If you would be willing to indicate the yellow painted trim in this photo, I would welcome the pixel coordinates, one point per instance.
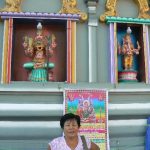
(145, 53)
(5, 52)
(115, 49)
(73, 53)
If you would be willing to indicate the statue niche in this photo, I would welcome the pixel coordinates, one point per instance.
(127, 50)
(39, 49)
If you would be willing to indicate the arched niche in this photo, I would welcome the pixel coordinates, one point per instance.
(19, 25)
(140, 71)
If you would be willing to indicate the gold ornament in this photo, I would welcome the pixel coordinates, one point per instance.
(111, 9)
(70, 7)
(12, 6)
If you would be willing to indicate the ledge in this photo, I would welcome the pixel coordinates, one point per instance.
(59, 87)
(39, 15)
(29, 129)
(30, 110)
(127, 20)
(129, 109)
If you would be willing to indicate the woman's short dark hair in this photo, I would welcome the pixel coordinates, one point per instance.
(69, 116)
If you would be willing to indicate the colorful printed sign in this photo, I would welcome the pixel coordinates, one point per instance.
(91, 106)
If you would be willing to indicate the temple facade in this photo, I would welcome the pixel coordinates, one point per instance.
(50, 46)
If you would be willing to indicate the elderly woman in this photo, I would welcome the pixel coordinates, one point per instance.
(71, 140)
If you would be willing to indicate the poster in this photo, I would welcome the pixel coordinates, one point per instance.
(91, 106)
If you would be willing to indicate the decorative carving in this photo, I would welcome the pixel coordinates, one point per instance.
(12, 6)
(144, 8)
(69, 7)
(111, 9)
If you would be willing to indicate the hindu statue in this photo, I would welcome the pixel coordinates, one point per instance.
(128, 51)
(40, 49)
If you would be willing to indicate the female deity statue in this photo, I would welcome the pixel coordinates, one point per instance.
(39, 49)
(128, 50)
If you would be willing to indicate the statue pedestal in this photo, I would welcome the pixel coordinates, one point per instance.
(127, 76)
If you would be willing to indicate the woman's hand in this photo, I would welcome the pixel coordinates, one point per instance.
(49, 148)
(94, 146)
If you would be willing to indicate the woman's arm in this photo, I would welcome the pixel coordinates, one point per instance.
(94, 146)
(49, 148)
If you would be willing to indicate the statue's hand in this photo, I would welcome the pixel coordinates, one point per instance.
(137, 52)
(38, 65)
(25, 45)
(29, 51)
(53, 45)
(138, 45)
(51, 52)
